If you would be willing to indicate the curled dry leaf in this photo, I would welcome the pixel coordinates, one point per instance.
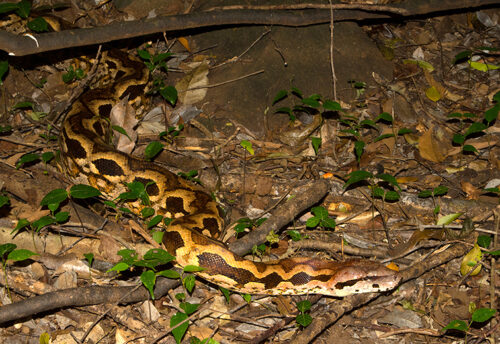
(123, 115)
(191, 88)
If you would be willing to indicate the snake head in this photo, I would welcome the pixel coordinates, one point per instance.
(362, 276)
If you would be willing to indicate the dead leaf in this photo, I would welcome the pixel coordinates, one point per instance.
(191, 88)
(123, 115)
(471, 191)
(184, 42)
(434, 144)
(440, 88)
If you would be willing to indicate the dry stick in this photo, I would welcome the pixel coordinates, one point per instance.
(17, 45)
(363, 7)
(81, 296)
(234, 59)
(351, 302)
(493, 271)
(332, 67)
(224, 82)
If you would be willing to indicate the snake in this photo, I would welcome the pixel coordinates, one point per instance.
(89, 157)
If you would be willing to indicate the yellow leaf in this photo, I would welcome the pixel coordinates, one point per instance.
(184, 43)
(392, 266)
(483, 67)
(433, 94)
(470, 259)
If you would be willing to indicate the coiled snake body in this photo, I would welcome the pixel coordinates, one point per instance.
(89, 158)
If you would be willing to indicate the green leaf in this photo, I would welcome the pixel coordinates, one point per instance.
(144, 54)
(312, 222)
(169, 274)
(7, 128)
(180, 296)
(27, 158)
(226, 293)
(440, 190)
(148, 278)
(189, 283)
(420, 63)
(303, 320)
(8, 7)
(286, 110)
(484, 241)
(128, 256)
(180, 330)
(320, 212)
(47, 156)
(169, 93)
(425, 193)
(404, 131)
(458, 325)
(304, 306)
(119, 267)
(4, 67)
(455, 115)
(158, 255)
(469, 148)
(38, 25)
(459, 139)
(21, 254)
(357, 176)
(189, 308)
(154, 221)
(7, 248)
(491, 114)
(476, 127)
(23, 9)
(54, 196)
(331, 105)
(4, 200)
(42, 222)
(385, 116)
(389, 179)
(316, 143)
(20, 225)
(82, 191)
(193, 268)
(247, 298)
(446, 220)
(312, 102)
(368, 123)
(382, 137)
(391, 196)
(89, 257)
(378, 192)
(282, 94)
(462, 57)
(120, 130)
(495, 253)
(297, 92)
(483, 314)
(147, 212)
(496, 97)
(294, 234)
(248, 146)
(152, 149)
(62, 216)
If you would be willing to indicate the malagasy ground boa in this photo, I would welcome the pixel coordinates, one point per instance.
(88, 157)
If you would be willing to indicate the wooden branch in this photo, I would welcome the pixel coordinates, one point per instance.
(31, 44)
(81, 296)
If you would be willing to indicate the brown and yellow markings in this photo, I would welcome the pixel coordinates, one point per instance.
(89, 157)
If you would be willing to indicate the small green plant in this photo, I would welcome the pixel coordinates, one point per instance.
(191, 176)
(382, 185)
(313, 104)
(4, 200)
(8, 251)
(4, 68)
(73, 74)
(473, 57)
(246, 223)
(295, 235)
(437, 191)
(23, 9)
(358, 86)
(320, 218)
(303, 319)
(476, 128)
(156, 62)
(248, 146)
(478, 316)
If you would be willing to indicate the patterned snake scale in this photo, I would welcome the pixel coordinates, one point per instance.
(89, 158)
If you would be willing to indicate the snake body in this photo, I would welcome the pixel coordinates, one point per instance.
(90, 158)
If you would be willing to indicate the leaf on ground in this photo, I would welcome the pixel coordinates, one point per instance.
(434, 144)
